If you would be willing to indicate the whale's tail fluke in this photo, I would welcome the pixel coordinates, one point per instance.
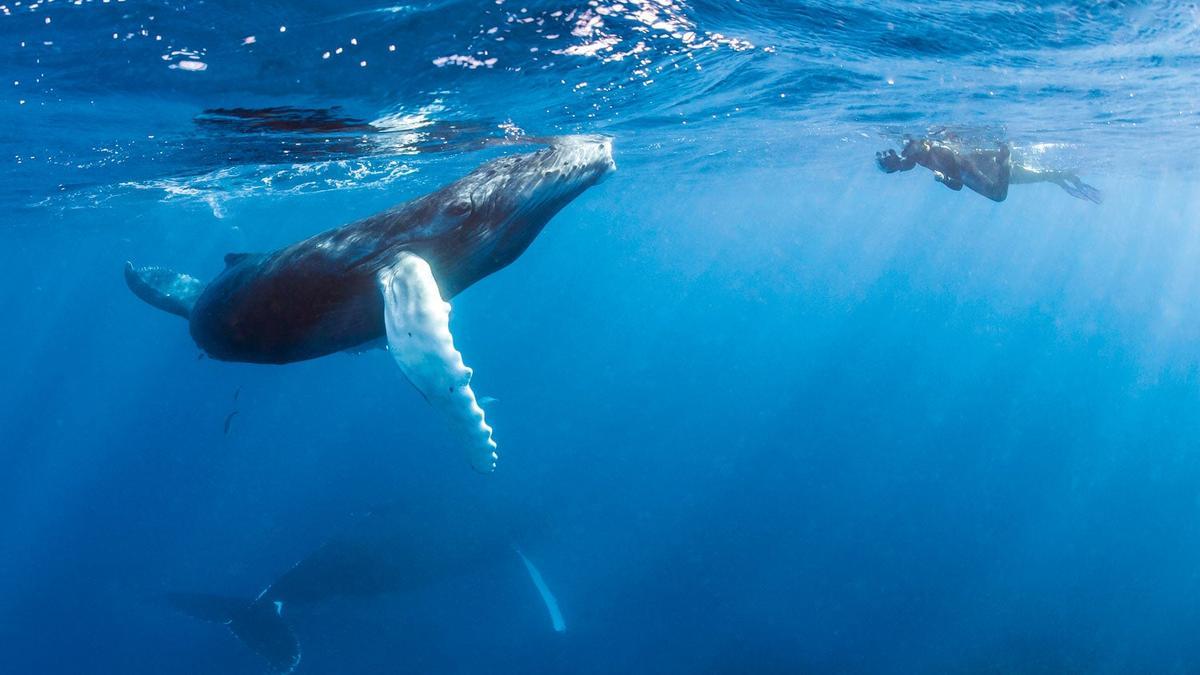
(165, 289)
(258, 625)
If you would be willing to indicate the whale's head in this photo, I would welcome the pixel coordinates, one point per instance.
(526, 183)
(513, 197)
(490, 216)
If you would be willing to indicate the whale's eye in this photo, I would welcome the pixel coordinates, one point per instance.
(458, 208)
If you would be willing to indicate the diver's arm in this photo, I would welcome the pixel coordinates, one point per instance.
(889, 162)
(953, 182)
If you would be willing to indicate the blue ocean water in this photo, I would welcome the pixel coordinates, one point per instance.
(761, 408)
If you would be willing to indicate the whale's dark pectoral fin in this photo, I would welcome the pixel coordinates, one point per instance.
(167, 290)
(418, 333)
(259, 625)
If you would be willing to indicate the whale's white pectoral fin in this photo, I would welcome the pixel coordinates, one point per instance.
(418, 334)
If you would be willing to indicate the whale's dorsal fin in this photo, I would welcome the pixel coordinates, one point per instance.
(232, 259)
(417, 321)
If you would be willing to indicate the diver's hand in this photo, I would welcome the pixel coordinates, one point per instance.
(952, 183)
(888, 161)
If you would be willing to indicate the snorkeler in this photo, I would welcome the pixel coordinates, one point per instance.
(988, 172)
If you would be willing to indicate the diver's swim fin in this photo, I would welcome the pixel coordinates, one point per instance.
(259, 625)
(167, 290)
(1081, 190)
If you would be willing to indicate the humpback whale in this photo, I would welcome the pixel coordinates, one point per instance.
(389, 275)
(388, 550)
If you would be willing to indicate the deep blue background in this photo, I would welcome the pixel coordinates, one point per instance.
(761, 408)
(944, 435)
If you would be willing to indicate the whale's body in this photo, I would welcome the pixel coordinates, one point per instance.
(321, 295)
(392, 550)
(388, 275)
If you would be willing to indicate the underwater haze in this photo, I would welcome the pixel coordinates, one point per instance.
(759, 406)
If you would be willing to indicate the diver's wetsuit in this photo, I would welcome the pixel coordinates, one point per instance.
(988, 172)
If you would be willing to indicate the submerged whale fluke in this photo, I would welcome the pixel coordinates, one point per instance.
(163, 288)
(399, 547)
(259, 625)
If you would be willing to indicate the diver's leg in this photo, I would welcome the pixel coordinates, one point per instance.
(1004, 175)
(1067, 180)
(1023, 175)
